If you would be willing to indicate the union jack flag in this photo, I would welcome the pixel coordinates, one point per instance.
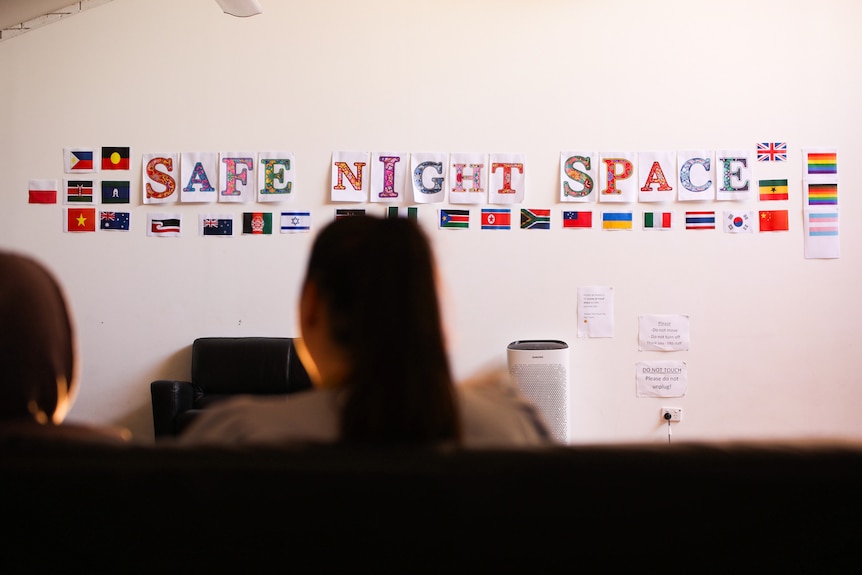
(210, 223)
(772, 152)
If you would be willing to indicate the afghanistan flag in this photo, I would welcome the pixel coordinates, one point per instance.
(257, 223)
(115, 158)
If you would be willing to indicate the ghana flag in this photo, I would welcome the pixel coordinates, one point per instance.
(773, 189)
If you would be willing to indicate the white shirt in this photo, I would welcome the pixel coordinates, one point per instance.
(493, 412)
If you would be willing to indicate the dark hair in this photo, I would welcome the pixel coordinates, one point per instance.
(377, 278)
(36, 346)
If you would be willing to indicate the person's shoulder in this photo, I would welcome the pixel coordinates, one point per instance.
(17, 431)
(494, 412)
(305, 415)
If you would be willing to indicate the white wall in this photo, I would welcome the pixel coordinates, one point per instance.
(772, 351)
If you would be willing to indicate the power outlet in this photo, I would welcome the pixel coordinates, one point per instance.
(674, 412)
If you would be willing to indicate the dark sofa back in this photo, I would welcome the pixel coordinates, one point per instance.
(683, 508)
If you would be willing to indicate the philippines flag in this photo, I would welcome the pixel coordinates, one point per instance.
(771, 151)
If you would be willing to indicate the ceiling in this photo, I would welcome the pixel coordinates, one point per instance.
(14, 12)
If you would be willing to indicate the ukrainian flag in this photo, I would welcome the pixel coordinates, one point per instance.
(617, 220)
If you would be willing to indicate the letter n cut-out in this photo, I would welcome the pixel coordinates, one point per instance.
(350, 176)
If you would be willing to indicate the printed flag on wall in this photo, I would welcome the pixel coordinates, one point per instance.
(81, 219)
(79, 191)
(822, 223)
(617, 220)
(295, 222)
(822, 239)
(42, 191)
(346, 213)
(821, 162)
(114, 221)
(533, 219)
(496, 218)
(771, 151)
(700, 220)
(257, 223)
(457, 219)
(773, 220)
(657, 220)
(115, 158)
(411, 213)
(164, 225)
(215, 224)
(773, 189)
(821, 194)
(78, 160)
(115, 191)
(739, 222)
(576, 219)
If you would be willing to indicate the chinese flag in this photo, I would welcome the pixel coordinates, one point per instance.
(81, 220)
(773, 220)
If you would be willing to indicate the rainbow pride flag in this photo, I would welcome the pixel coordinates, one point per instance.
(822, 163)
(822, 194)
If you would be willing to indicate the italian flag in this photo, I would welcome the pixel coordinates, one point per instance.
(657, 220)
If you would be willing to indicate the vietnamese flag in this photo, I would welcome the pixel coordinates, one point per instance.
(115, 158)
(81, 220)
(773, 221)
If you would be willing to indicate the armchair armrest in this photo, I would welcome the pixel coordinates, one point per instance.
(170, 398)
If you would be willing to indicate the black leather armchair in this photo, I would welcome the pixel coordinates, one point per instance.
(223, 367)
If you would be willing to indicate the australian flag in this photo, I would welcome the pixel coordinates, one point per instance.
(114, 221)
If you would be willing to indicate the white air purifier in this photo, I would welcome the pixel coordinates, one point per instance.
(540, 369)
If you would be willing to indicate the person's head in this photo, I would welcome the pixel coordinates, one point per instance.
(371, 320)
(37, 353)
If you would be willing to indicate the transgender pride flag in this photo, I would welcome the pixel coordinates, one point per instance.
(822, 224)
